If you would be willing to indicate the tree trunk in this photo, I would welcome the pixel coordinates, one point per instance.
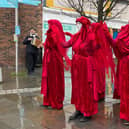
(100, 10)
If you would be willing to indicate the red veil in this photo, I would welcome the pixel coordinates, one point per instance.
(85, 27)
(55, 36)
(58, 36)
(123, 39)
(104, 55)
(77, 39)
(124, 32)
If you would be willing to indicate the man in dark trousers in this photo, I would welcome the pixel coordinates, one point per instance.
(31, 51)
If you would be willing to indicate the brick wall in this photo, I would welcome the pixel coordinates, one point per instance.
(29, 16)
(7, 22)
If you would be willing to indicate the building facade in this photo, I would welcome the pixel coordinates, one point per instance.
(29, 17)
(55, 9)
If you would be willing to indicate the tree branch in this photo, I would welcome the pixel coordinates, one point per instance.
(95, 5)
(106, 3)
(118, 13)
(110, 8)
(100, 5)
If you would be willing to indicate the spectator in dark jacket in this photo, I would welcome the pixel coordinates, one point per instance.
(31, 51)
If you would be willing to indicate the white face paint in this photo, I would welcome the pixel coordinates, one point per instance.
(79, 25)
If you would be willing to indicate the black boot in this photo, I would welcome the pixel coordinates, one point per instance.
(44, 106)
(75, 115)
(126, 122)
(85, 119)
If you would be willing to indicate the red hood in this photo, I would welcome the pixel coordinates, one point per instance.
(83, 20)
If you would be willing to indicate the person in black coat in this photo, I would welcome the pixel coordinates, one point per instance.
(31, 51)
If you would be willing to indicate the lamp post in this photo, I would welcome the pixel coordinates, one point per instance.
(16, 24)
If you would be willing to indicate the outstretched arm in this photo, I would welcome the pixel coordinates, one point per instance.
(67, 44)
(108, 36)
(69, 34)
(110, 40)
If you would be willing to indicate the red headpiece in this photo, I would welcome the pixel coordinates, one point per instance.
(55, 24)
(58, 36)
(83, 20)
(85, 27)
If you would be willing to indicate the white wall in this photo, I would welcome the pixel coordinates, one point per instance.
(59, 15)
(70, 17)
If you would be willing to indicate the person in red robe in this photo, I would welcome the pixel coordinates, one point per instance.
(101, 79)
(52, 85)
(103, 58)
(82, 72)
(121, 49)
(87, 60)
(102, 63)
(100, 70)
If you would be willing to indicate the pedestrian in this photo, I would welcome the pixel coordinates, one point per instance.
(84, 45)
(82, 71)
(121, 49)
(52, 85)
(103, 60)
(31, 51)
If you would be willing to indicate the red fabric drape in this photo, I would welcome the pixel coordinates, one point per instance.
(103, 58)
(52, 85)
(121, 49)
(83, 69)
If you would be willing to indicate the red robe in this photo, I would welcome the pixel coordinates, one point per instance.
(100, 79)
(84, 93)
(83, 81)
(52, 86)
(92, 56)
(121, 49)
(103, 59)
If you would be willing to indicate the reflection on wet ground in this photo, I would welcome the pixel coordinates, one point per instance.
(20, 102)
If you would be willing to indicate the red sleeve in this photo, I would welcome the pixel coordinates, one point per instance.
(123, 46)
(69, 34)
(67, 44)
(71, 41)
(110, 40)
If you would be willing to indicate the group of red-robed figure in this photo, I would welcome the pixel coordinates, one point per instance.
(91, 58)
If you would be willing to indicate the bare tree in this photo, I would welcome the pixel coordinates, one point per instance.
(103, 8)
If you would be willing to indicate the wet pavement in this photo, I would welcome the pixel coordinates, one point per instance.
(20, 101)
